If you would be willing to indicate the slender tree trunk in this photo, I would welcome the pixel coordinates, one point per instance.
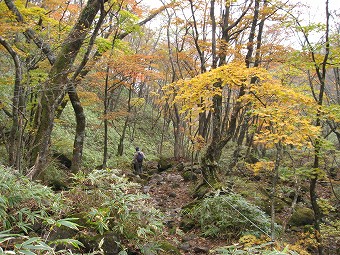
(80, 130)
(178, 134)
(175, 115)
(106, 102)
(250, 47)
(321, 74)
(294, 201)
(203, 121)
(273, 193)
(164, 128)
(240, 138)
(313, 196)
(127, 120)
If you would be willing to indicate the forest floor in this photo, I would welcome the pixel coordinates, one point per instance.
(170, 193)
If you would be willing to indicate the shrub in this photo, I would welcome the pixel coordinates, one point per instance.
(23, 202)
(230, 216)
(120, 207)
(263, 249)
(330, 234)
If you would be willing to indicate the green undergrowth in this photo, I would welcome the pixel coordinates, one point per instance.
(230, 216)
(146, 135)
(97, 205)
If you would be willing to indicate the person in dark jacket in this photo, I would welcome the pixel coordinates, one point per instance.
(138, 161)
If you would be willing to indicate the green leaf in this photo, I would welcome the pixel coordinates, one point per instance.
(68, 223)
(73, 242)
(40, 246)
(27, 252)
(30, 241)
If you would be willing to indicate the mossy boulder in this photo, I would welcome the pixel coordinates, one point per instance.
(109, 243)
(165, 164)
(161, 247)
(168, 248)
(187, 224)
(301, 217)
(180, 167)
(265, 205)
(189, 176)
(62, 233)
(150, 167)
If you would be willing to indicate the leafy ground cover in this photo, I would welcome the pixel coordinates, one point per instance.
(115, 211)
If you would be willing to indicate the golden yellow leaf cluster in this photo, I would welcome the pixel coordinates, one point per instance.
(284, 115)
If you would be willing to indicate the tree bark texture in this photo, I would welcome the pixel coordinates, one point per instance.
(320, 70)
(80, 129)
(126, 123)
(18, 107)
(213, 152)
(56, 85)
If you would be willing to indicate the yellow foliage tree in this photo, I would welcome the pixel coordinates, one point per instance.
(285, 115)
(195, 95)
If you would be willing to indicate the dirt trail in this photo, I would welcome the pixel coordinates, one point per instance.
(170, 193)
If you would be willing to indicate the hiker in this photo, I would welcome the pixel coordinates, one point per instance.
(138, 161)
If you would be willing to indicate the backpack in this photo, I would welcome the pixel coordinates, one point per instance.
(139, 157)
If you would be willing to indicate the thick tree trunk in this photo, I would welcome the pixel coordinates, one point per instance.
(203, 124)
(56, 85)
(211, 157)
(18, 107)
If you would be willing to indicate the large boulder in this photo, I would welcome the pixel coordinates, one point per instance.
(301, 217)
(189, 176)
(109, 243)
(165, 164)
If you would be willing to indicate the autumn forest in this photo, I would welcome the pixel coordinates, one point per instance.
(235, 104)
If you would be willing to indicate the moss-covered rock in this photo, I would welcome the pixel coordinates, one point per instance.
(62, 233)
(301, 217)
(206, 188)
(189, 176)
(165, 164)
(168, 248)
(109, 243)
(91, 243)
(265, 205)
(187, 224)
